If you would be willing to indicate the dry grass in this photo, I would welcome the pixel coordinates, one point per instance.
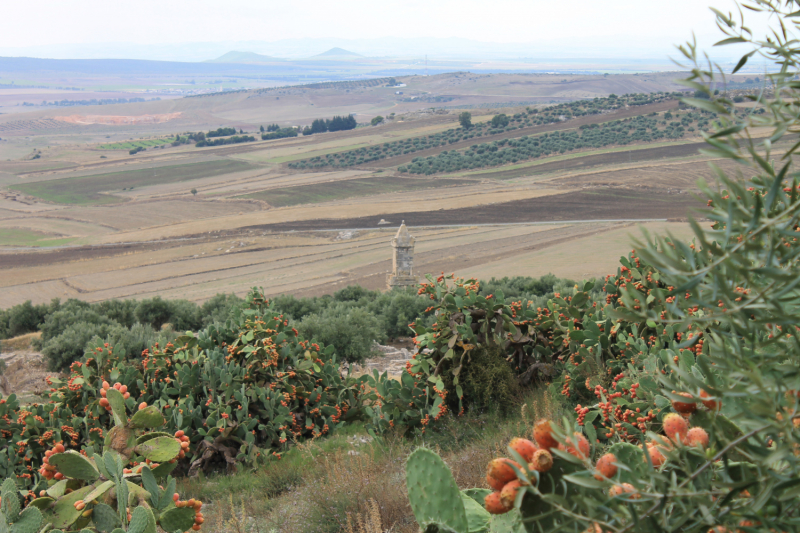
(20, 343)
(352, 484)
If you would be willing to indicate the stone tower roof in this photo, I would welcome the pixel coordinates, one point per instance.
(403, 237)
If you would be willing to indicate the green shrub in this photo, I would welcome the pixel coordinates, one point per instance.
(351, 331)
(487, 380)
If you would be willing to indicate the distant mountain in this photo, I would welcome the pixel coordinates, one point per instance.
(337, 53)
(243, 57)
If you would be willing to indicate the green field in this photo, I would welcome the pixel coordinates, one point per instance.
(26, 237)
(338, 190)
(135, 144)
(93, 190)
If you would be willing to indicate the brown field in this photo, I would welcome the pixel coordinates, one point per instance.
(254, 221)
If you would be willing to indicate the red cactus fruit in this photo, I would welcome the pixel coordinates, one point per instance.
(499, 472)
(542, 461)
(577, 445)
(710, 403)
(696, 437)
(524, 447)
(676, 427)
(509, 493)
(494, 504)
(606, 467)
(656, 456)
(684, 408)
(543, 434)
(625, 488)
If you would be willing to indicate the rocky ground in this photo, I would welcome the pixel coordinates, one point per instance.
(391, 359)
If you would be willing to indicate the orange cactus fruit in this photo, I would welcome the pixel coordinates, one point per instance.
(577, 445)
(684, 408)
(696, 437)
(123, 389)
(494, 504)
(606, 467)
(624, 488)
(499, 472)
(509, 493)
(656, 456)
(542, 461)
(523, 447)
(543, 434)
(710, 403)
(142, 405)
(676, 427)
(106, 386)
(103, 393)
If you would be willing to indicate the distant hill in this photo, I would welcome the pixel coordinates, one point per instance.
(243, 57)
(337, 53)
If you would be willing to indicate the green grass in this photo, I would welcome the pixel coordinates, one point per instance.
(337, 190)
(88, 190)
(135, 144)
(26, 237)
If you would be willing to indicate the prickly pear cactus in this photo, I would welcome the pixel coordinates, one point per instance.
(435, 498)
(109, 492)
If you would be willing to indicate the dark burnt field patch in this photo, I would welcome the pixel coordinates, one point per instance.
(589, 204)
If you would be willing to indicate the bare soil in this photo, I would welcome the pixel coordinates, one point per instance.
(591, 204)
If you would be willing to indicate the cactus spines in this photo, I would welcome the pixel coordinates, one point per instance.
(523, 447)
(432, 491)
(543, 434)
(676, 427)
(74, 465)
(606, 467)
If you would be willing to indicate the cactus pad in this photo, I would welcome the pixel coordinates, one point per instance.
(74, 465)
(631, 459)
(151, 435)
(117, 403)
(175, 519)
(105, 518)
(64, 513)
(432, 491)
(159, 449)
(10, 505)
(477, 517)
(142, 521)
(147, 418)
(479, 495)
(538, 514)
(29, 521)
(99, 491)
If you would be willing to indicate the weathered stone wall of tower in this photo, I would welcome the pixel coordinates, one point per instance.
(402, 260)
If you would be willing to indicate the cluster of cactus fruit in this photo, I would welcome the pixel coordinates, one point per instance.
(526, 488)
(240, 393)
(113, 491)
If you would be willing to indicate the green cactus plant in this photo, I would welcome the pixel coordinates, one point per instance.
(439, 506)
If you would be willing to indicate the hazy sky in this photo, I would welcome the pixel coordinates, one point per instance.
(648, 23)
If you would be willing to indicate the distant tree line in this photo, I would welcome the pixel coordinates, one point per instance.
(336, 123)
(221, 132)
(350, 319)
(96, 101)
(236, 139)
(279, 133)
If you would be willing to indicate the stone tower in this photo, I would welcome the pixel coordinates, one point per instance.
(403, 262)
